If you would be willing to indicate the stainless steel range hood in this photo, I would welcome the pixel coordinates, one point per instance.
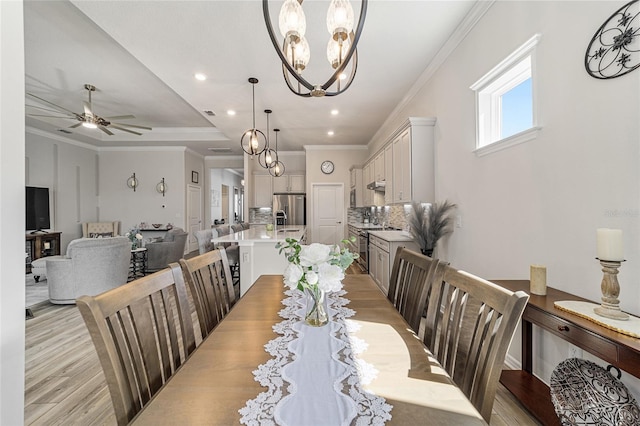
(377, 185)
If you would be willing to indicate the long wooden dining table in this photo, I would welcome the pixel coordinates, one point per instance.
(217, 380)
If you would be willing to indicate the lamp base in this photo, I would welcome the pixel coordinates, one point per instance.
(611, 312)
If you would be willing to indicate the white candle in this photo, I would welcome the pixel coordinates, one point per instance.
(538, 280)
(609, 244)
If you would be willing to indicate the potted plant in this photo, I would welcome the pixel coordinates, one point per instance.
(428, 223)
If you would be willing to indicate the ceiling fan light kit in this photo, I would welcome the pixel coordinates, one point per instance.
(294, 51)
(253, 141)
(88, 118)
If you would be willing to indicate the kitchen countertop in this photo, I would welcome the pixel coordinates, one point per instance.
(259, 234)
(392, 236)
(361, 225)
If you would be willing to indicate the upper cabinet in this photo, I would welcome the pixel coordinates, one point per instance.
(378, 167)
(289, 182)
(356, 186)
(388, 167)
(413, 176)
(262, 190)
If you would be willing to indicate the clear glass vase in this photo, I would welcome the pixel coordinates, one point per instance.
(316, 315)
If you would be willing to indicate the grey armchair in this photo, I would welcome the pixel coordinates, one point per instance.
(161, 253)
(90, 267)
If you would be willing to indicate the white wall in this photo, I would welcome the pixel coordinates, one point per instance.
(343, 158)
(69, 170)
(542, 201)
(119, 202)
(12, 293)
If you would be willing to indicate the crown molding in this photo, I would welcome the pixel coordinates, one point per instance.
(145, 148)
(334, 147)
(468, 23)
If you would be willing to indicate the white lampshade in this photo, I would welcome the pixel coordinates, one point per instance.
(340, 17)
(292, 19)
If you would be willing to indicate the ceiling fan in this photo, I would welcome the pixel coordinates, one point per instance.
(88, 118)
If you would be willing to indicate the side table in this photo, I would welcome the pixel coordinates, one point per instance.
(138, 266)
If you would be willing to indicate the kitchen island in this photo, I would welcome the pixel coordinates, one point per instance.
(257, 251)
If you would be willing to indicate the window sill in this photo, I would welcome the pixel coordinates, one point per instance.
(516, 139)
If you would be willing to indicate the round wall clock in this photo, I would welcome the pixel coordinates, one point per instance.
(327, 167)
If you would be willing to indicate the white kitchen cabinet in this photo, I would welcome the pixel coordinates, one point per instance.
(378, 167)
(356, 186)
(262, 190)
(413, 161)
(382, 252)
(367, 198)
(292, 182)
(388, 168)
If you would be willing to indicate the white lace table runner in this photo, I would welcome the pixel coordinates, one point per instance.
(314, 377)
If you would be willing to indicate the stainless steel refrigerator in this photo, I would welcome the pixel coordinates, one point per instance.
(294, 207)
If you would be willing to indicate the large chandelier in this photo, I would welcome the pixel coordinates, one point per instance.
(294, 52)
(253, 141)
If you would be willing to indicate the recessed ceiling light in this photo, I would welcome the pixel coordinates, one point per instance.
(330, 132)
(200, 76)
(231, 112)
(343, 76)
(335, 112)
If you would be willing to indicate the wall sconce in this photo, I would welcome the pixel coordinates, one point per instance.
(132, 182)
(161, 187)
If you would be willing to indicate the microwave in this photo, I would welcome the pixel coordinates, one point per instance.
(352, 198)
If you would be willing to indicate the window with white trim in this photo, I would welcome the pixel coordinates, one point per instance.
(506, 101)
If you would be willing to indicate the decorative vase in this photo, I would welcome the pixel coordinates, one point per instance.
(427, 252)
(134, 245)
(316, 315)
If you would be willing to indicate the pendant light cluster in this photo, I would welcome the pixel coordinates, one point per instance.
(295, 53)
(254, 142)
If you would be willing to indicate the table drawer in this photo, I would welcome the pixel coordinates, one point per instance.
(574, 334)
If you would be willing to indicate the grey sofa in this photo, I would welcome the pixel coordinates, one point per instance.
(91, 266)
(170, 249)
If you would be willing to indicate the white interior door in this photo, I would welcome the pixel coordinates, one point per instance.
(328, 213)
(194, 215)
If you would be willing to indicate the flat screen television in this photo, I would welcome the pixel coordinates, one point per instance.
(37, 208)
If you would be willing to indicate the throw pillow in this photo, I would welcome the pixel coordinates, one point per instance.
(100, 235)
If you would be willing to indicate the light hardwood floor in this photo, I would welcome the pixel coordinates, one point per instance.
(64, 384)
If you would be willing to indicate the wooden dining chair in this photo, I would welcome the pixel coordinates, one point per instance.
(410, 280)
(210, 282)
(143, 333)
(469, 326)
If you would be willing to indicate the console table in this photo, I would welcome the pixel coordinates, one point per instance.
(615, 348)
(40, 245)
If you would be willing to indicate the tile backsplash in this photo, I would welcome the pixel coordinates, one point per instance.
(393, 216)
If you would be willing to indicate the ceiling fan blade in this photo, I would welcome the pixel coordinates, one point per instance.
(119, 117)
(52, 104)
(124, 130)
(44, 109)
(104, 129)
(75, 125)
(51, 116)
(131, 125)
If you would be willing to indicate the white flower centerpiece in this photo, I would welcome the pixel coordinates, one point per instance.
(316, 269)
(135, 237)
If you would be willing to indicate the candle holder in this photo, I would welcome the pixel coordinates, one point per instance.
(610, 307)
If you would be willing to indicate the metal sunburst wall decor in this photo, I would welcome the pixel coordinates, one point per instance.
(615, 48)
